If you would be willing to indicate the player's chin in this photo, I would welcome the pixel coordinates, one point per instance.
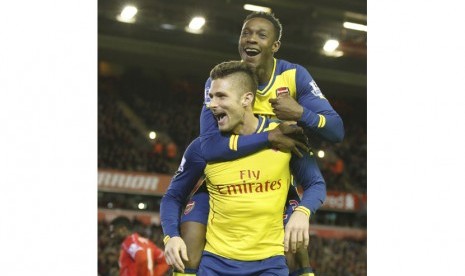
(223, 128)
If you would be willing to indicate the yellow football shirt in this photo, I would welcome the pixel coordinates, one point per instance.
(247, 198)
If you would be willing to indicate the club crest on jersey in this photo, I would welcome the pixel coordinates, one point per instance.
(189, 207)
(282, 91)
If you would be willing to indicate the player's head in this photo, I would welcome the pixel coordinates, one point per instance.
(260, 38)
(232, 93)
(120, 227)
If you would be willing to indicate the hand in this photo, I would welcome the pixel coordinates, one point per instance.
(172, 249)
(296, 233)
(286, 108)
(288, 137)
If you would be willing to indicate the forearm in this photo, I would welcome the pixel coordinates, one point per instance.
(308, 174)
(217, 147)
(329, 125)
(313, 197)
(170, 213)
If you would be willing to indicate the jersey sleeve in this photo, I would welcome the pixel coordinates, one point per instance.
(318, 116)
(218, 147)
(308, 174)
(183, 182)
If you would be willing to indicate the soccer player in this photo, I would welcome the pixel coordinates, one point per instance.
(138, 255)
(285, 90)
(245, 231)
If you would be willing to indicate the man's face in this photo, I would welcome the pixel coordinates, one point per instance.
(257, 41)
(226, 103)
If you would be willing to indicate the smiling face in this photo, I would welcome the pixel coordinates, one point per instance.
(258, 42)
(227, 103)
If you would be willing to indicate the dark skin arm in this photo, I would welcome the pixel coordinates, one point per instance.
(288, 136)
(286, 108)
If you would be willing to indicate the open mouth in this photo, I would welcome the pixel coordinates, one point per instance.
(251, 52)
(220, 117)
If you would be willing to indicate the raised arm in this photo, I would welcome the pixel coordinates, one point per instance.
(312, 110)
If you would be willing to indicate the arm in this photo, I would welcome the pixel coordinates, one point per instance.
(306, 173)
(183, 182)
(175, 198)
(218, 147)
(312, 110)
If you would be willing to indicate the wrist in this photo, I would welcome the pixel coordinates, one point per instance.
(303, 210)
(167, 238)
(271, 137)
(299, 114)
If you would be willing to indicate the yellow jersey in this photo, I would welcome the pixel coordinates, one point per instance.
(247, 198)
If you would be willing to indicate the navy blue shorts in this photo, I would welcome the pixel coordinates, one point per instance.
(198, 207)
(214, 265)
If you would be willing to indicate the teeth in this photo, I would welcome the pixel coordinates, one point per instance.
(251, 52)
(220, 116)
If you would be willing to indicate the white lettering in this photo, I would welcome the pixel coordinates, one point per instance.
(127, 181)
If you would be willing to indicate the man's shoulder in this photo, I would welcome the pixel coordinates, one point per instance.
(285, 65)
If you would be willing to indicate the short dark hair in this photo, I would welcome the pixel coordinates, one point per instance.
(227, 68)
(121, 221)
(278, 27)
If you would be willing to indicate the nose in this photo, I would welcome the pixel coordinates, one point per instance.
(213, 103)
(251, 38)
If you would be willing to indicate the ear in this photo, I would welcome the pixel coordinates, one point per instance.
(247, 99)
(275, 46)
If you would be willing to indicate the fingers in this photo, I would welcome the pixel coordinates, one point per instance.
(173, 258)
(184, 254)
(172, 250)
(273, 101)
(297, 152)
(306, 240)
(293, 241)
(296, 129)
(302, 146)
(178, 264)
(286, 240)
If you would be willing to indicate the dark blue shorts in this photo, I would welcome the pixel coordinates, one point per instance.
(214, 265)
(198, 207)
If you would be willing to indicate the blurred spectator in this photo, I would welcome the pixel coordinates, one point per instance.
(138, 255)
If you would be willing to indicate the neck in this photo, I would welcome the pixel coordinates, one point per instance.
(264, 72)
(248, 125)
